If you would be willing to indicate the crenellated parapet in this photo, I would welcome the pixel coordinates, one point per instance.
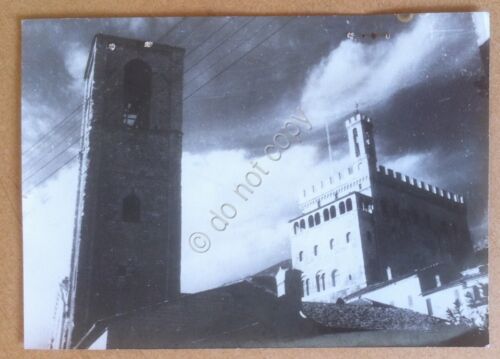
(338, 184)
(419, 185)
(356, 118)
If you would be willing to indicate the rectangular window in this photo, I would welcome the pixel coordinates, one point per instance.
(429, 306)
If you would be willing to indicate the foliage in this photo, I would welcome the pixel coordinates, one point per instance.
(456, 315)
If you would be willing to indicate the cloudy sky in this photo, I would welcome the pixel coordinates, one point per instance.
(420, 81)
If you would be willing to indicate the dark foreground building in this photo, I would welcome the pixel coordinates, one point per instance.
(247, 315)
(126, 251)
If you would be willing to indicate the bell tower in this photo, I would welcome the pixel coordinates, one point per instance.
(126, 250)
(360, 134)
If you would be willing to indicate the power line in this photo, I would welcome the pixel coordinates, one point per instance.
(194, 49)
(184, 99)
(48, 147)
(220, 44)
(239, 58)
(204, 20)
(204, 41)
(53, 172)
(165, 35)
(53, 129)
(63, 122)
(51, 160)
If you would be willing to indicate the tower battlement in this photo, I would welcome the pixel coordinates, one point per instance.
(356, 118)
(420, 185)
(338, 184)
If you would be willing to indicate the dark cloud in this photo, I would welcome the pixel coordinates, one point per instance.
(244, 106)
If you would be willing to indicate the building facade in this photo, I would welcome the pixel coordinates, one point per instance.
(434, 292)
(367, 224)
(126, 251)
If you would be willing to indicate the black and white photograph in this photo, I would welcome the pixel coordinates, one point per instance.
(255, 181)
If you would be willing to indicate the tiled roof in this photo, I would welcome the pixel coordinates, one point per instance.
(376, 316)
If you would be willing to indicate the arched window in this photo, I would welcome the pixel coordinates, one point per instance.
(136, 94)
(310, 221)
(348, 237)
(334, 274)
(348, 204)
(295, 227)
(301, 256)
(333, 212)
(326, 215)
(323, 281)
(355, 139)
(316, 250)
(307, 286)
(317, 219)
(318, 287)
(342, 207)
(131, 208)
(302, 224)
(331, 243)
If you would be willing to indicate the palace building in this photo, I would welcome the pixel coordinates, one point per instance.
(368, 224)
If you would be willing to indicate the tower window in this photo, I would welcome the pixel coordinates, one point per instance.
(136, 94)
(307, 286)
(331, 243)
(348, 237)
(356, 144)
(131, 208)
(323, 281)
(326, 215)
(348, 204)
(301, 256)
(429, 306)
(334, 274)
(333, 212)
(317, 219)
(295, 227)
(302, 224)
(318, 286)
(310, 221)
(342, 207)
(316, 250)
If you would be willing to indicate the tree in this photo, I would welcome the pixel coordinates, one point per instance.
(456, 315)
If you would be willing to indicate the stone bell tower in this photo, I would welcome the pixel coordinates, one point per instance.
(126, 251)
(360, 134)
